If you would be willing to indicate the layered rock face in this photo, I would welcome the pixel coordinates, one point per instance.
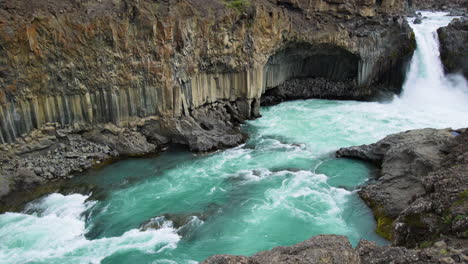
(454, 46)
(421, 193)
(92, 62)
(85, 81)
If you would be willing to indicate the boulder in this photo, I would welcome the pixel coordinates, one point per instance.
(454, 46)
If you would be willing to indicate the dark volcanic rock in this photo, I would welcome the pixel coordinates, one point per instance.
(438, 5)
(454, 46)
(123, 141)
(319, 249)
(333, 249)
(421, 192)
(315, 88)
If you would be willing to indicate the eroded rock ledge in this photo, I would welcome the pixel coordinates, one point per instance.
(53, 153)
(421, 194)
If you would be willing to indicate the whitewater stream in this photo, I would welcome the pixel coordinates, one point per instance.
(282, 187)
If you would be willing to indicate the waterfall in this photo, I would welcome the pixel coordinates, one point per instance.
(426, 87)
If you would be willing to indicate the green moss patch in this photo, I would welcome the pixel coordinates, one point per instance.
(238, 5)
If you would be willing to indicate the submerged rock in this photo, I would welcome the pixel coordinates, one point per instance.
(185, 224)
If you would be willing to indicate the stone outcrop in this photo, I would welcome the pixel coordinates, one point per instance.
(333, 249)
(85, 81)
(453, 46)
(421, 192)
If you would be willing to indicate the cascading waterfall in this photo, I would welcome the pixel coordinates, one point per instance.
(280, 188)
(426, 86)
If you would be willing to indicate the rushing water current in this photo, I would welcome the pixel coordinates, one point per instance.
(281, 187)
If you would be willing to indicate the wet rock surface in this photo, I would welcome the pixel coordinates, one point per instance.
(453, 46)
(420, 195)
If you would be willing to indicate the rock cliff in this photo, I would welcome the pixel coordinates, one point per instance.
(333, 249)
(83, 81)
(454, 46)
(89, 62)
(420, 195)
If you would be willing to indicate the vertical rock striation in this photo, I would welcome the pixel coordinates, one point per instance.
(85, 81)
(93, 62)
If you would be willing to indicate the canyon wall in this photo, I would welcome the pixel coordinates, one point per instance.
(84, 82)
(453, 47)
(89, 62)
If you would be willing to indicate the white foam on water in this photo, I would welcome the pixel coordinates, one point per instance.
(427, 92)
(313, 192)
(54, 232)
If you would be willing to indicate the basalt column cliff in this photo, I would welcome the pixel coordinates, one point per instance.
(150, 72)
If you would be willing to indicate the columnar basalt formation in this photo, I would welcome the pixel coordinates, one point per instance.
(92, 62)
(177, 71)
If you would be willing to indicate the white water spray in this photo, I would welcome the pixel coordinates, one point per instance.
(426, 87)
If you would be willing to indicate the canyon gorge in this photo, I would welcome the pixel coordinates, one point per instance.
(91, 86)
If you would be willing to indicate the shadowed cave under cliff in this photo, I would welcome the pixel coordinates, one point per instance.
(301, 70)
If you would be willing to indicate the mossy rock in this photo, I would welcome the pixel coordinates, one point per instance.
(238, 5)
(384, 223)
(385, 227)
